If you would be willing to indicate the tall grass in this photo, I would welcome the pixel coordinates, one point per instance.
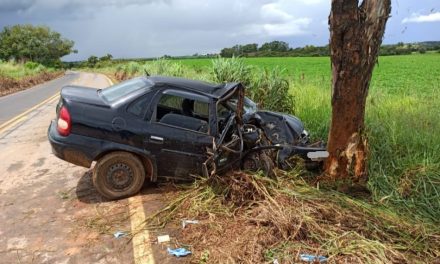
(17, 71)
(267, 87)
(123, 71)
(231, 70)
(402, 121)
(271, 90)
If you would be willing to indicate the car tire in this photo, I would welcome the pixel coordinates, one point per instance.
(267, 164)
(118, 175)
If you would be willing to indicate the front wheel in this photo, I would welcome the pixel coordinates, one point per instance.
(118, 175)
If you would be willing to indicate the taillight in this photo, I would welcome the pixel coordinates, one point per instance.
(64, 123)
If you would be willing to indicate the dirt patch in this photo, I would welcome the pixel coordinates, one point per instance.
(15, 166)
(39, 163)
(11, 85)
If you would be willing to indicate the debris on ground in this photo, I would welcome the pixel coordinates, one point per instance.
(186, 222)
(120, 234)
(312, 258)
(179, 252)
(163, 239)
(285, 217)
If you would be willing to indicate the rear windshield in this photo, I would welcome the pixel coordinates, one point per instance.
(119, 90)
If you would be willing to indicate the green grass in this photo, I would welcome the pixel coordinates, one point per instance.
(18, 70)
(419, 72)
(316, 69)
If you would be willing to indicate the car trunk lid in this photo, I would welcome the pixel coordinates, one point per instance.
(82, 94)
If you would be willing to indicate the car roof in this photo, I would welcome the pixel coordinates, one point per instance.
(208, 89)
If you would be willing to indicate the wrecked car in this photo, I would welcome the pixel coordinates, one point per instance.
(153, 128)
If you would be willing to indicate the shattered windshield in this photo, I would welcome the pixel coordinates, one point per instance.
(249, 105)
(227, 108)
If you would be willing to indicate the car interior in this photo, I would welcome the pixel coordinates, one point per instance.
(183, 112)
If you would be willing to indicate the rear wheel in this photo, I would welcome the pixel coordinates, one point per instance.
(118, 175)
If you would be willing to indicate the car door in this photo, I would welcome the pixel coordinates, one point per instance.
(180, 139)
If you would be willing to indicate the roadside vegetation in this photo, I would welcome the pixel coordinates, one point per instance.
(30, 55)
(19, 76)
(39, 44)
(396, 220)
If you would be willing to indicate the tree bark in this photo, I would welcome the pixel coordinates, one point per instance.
(356, 33)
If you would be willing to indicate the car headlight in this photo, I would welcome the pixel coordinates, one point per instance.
(304, 137)
(304, 134)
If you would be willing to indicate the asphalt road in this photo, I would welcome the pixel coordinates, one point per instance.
(16, 103)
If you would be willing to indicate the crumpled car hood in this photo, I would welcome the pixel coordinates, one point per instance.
(280, 128)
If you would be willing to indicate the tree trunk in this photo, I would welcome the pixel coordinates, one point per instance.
(356, 33)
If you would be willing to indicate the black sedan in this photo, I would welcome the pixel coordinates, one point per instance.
(152, 128)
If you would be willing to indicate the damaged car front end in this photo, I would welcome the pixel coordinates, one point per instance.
(253, 139)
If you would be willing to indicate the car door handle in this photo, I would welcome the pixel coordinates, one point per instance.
(156, 139)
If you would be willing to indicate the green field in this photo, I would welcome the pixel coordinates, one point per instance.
(412, 73)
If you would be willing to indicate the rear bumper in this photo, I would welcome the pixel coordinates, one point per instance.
(68, 149)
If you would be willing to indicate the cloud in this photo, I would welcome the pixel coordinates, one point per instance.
(276, 21)
(15, 5)
(145, 28)
(418, 18)
(273, 13)
(34, 6)
(291, 28)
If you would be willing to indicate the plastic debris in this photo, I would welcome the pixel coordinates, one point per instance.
(312, 258)
(186, 222)
(164, 238)
(275, 261)
(179, 252)
(119, 234)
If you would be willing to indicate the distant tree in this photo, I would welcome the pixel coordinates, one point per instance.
(34, 43)
(249, 48)
(227, 52)
(276, 45)
(91, 61)
(107, 57)
(239, 50)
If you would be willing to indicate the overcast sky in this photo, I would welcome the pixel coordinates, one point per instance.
(148, 28)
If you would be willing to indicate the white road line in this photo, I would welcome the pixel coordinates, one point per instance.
(109, 80)
(142, 251)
